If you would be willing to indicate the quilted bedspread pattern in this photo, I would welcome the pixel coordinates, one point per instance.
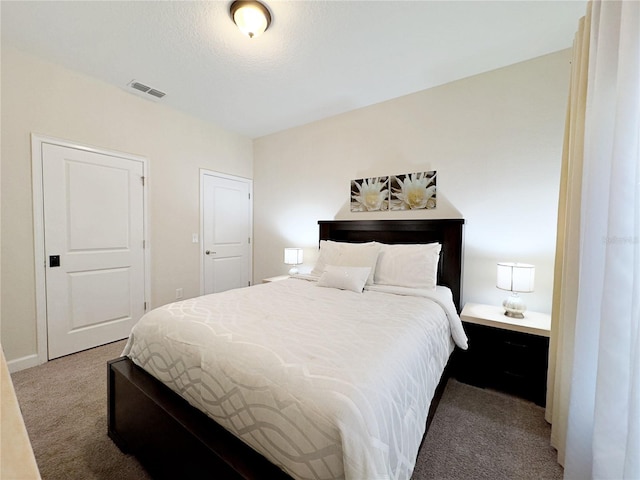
(323, 382)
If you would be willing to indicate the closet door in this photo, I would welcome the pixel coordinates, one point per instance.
(93, 206)
(226, 232)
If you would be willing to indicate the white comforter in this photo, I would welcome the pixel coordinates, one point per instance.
(324, 383)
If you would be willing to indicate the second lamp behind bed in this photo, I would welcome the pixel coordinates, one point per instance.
(293, 256)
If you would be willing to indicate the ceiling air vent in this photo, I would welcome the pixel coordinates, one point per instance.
(156, 93)
(141, 87)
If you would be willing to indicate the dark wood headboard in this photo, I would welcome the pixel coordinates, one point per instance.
(447, 232)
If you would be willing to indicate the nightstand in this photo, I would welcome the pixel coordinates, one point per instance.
(275, 279)
(504, 353)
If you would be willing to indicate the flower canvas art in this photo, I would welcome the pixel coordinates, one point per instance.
(370, 194)
(413, 191)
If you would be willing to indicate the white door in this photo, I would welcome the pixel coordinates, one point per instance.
(93, 207)
(226, 232)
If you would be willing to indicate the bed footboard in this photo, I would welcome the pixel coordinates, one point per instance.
(174, 440)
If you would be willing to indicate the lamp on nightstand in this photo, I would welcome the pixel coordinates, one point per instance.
(516, 278)
(293, 256)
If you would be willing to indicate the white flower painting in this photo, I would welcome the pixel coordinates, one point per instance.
(370, 194)
(413, 191)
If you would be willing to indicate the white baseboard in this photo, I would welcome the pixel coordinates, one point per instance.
(22, 363)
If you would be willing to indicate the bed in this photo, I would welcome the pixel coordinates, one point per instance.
(366, 426)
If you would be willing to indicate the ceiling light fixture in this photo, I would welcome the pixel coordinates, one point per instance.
(251, 17)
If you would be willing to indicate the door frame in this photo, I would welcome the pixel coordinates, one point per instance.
(249, 182)
(37, 140)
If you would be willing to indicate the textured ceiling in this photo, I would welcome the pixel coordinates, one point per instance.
(318, 58)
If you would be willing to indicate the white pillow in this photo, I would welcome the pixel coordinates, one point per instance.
(360, 255)
(344, 278)
(329, 255)
(347, 255)
(412, 266)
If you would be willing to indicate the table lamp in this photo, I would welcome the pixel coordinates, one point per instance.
(516, 278)
(293, 256)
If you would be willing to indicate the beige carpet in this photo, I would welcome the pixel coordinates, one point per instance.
(476, 434)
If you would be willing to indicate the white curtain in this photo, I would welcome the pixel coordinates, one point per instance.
(603, 428)
(565, 289)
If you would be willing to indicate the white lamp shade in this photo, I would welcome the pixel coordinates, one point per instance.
(293, 256)
(516, 277)
(251, 17)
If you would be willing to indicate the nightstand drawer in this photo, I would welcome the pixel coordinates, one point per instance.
(518, 353)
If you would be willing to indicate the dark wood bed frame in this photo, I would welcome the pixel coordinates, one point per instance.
(172, 439)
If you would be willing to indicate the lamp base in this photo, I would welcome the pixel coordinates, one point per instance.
(514, 306)
(293, 271)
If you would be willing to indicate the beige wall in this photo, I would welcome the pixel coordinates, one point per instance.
(44, 98)
(495, 140)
